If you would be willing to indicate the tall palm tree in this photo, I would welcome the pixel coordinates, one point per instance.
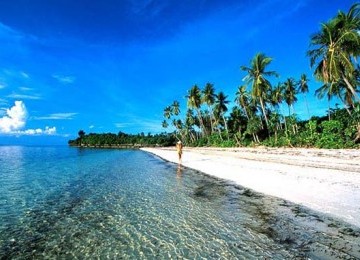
(221, 107)
(257, 78)
(165, 124)
(167, 112)
(304, 88)
(242, 98)
(190, 121)
(290, 93)
(335, 48)
(277, 97)
(175, 108)
(237, 122)
(209, 98)
(194, 101)
(290, 98)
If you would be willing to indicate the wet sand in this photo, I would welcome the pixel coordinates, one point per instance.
(327, 181)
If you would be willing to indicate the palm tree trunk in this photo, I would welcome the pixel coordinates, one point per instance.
(254, 138)
(226, 128)
(201, 122)
(264, 112)
(246, 113)
(211, 120)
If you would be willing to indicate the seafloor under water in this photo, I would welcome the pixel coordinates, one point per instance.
(65, 202)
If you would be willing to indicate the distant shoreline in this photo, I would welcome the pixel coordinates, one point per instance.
(326, 180)
(124, 146)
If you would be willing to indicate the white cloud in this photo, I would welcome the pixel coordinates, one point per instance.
(38, 131)
(123, 125)
(14, 119)
(22, 96)
(64, 79)
(25, 89)
(57, 116)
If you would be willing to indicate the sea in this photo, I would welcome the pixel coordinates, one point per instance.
(76, 203)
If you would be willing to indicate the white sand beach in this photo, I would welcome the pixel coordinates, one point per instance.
(324, 180)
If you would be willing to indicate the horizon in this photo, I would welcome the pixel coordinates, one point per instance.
(110, 66)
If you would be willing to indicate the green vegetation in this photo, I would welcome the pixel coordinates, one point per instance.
(258, 118)
(122, 140)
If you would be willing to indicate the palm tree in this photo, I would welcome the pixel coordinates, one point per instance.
(257, 77)
(165, 124)
(304, 88)
(190, 121)
(335, 48)
(242, 98)
(175, 108)
(177, 123)
(290, 98)
(221, 108)
(209, 98)
(167, 112)
(277, 97)
(290, 93)
(236, 123)
(194, 101)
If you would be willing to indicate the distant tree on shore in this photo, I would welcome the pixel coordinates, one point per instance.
(123, 140)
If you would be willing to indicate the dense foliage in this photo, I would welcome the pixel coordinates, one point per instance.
(259, 118)
(122, 140)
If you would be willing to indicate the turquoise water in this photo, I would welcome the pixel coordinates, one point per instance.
(87, 203)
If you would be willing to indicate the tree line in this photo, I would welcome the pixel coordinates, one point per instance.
(122, 140)
(259, 115)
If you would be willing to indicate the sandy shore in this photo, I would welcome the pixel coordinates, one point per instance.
(324, 180)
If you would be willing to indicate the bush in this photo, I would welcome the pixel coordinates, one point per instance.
(331, 135)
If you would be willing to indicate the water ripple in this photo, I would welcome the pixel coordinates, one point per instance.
(71, 203)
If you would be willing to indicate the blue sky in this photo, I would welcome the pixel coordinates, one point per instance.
(110, 66)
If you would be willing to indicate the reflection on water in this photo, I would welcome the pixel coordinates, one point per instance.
(129, 204)
(179, 171)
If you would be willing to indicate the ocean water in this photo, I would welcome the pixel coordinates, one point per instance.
(62, 202)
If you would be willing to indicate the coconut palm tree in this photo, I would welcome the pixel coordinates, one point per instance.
(237, 122)
(242, 98)
(290, 93)
(175, 108)
(334, 49)
(209, 98)
(290, 98)
(190, 121)
(167, 112)
(221, 108)
(195, 101)
(304, 88)
(257, 78)
(165, 124)
(277, 97)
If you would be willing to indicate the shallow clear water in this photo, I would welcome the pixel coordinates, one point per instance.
(84, 203)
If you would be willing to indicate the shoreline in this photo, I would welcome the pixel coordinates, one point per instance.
(324, 180)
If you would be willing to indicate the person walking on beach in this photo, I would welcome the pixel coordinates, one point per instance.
(179, 147)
